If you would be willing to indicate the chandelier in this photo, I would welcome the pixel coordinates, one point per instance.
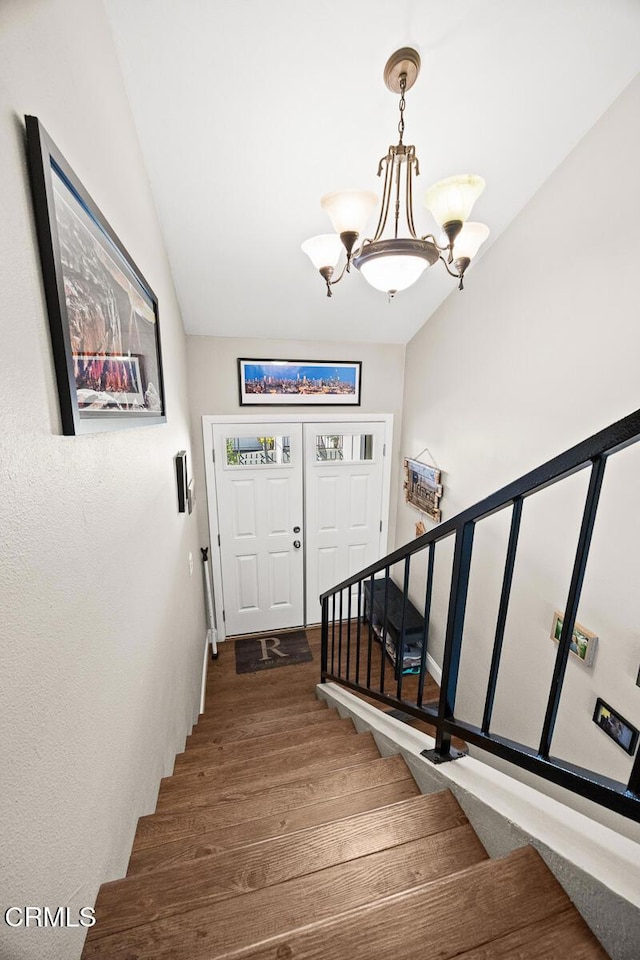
(392, 260)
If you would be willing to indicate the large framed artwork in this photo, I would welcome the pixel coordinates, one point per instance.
(103, 315)
(299, 382)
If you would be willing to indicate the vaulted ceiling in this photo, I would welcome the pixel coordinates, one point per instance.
(249, 111)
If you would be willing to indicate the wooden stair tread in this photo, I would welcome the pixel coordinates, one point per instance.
(306, 702)
(228, 925)
(277, 825)
(267, 688)
(306, 853)
(257, 747)
(451, 917)
(244, 729)
(228, 768)
(267, 685)
(565, 936)
(273, 801)
(245, 780)
(140, 899)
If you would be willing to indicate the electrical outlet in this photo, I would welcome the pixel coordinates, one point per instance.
(190, 564)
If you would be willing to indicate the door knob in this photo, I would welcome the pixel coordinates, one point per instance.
(296, 544)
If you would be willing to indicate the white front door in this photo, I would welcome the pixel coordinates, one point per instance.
(343, 493)
(260, 513)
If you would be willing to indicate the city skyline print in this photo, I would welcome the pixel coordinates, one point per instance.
(296, 382)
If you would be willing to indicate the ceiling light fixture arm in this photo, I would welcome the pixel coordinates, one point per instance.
(461, 264)
(327, 274)
(388, 164)
(452, 229)
(413, 169)
(349, 239)
(447, 247)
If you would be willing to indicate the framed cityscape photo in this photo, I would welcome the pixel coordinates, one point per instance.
(299, 382)
(103, 315)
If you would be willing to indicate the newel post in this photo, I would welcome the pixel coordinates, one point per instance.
(324, 640)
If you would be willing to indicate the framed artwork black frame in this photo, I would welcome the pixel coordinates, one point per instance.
(615, 726)
(103, 315)
(316, 383)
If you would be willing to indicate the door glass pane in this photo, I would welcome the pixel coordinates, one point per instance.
(349, 448)
(257, 451)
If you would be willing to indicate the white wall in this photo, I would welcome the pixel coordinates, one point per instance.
(213, 387)
(539, 352)
(102, 628)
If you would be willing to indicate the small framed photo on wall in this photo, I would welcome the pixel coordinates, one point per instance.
(583, 642)
(615, 726)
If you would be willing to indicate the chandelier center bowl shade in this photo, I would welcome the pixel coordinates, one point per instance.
(393, 265)
(396, 254)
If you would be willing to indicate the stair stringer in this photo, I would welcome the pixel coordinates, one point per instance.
(598, 868)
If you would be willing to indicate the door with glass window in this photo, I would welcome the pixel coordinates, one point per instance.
(343, 500)
(299, 508)
(259, 491)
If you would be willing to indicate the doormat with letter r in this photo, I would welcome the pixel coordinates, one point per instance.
(265, 653)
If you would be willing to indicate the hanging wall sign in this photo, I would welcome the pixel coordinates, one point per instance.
(422, 488)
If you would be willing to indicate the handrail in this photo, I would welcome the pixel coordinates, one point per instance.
(604, 443)
(594, 453)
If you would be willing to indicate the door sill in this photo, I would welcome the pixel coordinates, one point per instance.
(264, 633)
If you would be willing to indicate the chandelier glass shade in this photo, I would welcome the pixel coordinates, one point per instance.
(349, 209)
(453, 198)
(470, 239)
(395, 256)
(324, 250)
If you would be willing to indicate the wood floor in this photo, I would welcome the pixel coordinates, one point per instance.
(284, 834)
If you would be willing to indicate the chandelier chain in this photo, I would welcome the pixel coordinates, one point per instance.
(403, 86)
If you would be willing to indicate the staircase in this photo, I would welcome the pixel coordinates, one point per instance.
(284, 834)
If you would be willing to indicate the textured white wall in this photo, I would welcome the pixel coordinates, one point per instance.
(213, 388)
(538, 353)
(102, 628)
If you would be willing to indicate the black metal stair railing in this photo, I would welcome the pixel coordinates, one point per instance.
(342, 632)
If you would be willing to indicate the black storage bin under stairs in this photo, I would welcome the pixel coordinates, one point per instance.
(413, 634)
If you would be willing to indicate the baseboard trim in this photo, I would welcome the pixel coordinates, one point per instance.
(434, 670)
